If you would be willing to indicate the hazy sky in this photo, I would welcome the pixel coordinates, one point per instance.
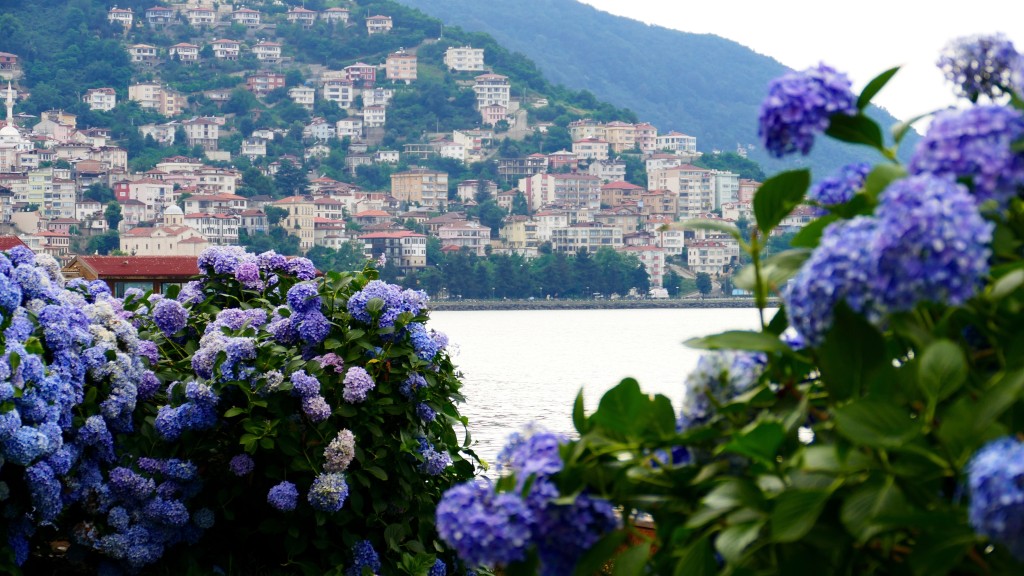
(860, 38)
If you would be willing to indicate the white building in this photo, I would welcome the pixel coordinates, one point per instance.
(464, 59)
(303, 96)
(100, 98)
(492, 90)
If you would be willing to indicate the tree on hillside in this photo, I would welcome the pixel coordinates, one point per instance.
(732, 162)
(703, 283)
(104, 243)
(112, 214)
(99, 193)
(274, 214)
(290, 180)
(673, 283)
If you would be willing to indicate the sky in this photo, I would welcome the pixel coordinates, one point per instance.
(870, 37)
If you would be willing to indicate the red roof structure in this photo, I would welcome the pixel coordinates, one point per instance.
(8, 242)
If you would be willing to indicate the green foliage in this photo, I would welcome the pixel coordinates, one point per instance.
(733, 163)
(703, 283)
(112, 214)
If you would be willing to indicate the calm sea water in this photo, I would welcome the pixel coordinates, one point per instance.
(526, 366)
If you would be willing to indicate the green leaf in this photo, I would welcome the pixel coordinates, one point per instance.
(775, 271)
(627, 413)
(998, 398)
(879, 178)
(698, 559)
(873, 87)
(758, 441)
(579, 417)
(376, 471)
(943, 369)
(857, 129)
(861, 510)
(875, 422)
(633, 561)
(939, 550)
(234, 411)
(732, 541)
(795, 513)
(715, 226)
(740, 340)
(597, 556)
(1006, 285)
(901, 129)
(777, 197)
(810, 235)
(853, 353)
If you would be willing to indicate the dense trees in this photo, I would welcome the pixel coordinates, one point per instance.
(463, 274)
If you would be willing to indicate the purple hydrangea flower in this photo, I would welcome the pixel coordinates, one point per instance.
(363, 556)
(798, 107)
(932, 244)
(393, 299)
(316, 408)
(191, 292)
(271, 261)
(333, 360)
(301, 268)
(340, 452)
(841, 186)
(328, 492)
(434, 462)
(995, 478)
(358, 383)
(283, 496)
(484, 528)
(410, 385)
(241, 465)
(248, 273)
(304, 297)
(170, 316)
(979, 65)
(304, 385)
(564, 532)
(975, 143)
(438, 569)
(839, 269)
(204, 518)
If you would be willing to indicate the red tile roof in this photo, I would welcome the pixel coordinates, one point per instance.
(8, 242)
(150, 266)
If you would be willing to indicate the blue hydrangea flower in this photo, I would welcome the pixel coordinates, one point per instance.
(839, 269)
(271, 261)
(535, 453)
(484, 528)
(340, 452)
(798, 107)
(422, 341)
(363, 556)
(241, 465)
(328, 492)
(358, 384)
(979, 65)
(170, 316)
(45, 490)
(975, 143)
(283, 496)
(720, 376)
(248, 274)
(313, 327)
(411, 384)
(425, 412)
(995, 478)
(434, 462)
(191, 292)
(932, 244)
(394, 301)
(204, 518)
(438, 569)
(564, 532)
(304, 297)
(841, 186)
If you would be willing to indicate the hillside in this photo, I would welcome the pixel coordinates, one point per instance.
(700, 84)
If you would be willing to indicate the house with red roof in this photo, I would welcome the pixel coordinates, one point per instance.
(156, 273)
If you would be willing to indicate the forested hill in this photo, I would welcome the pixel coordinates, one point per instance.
(699, 84)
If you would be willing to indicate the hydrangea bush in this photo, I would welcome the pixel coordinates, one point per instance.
(263, 419)
(873, 424)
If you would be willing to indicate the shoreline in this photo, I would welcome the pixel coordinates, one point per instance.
(558, 304)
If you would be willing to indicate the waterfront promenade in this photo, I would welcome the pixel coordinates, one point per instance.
(594, 304)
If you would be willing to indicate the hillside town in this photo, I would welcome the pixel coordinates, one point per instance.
(222, 178)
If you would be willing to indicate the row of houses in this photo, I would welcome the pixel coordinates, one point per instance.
(200, 16)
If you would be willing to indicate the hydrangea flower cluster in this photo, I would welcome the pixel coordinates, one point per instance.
(241, 465)
(307, 388)
(169, 316)
(340, 452)
(424, 341)
(363, 556)
(358, 384)
(328, 492)
(976, 144)
(283, 496)
(720, 376)
(198, 412)
(489, 528)
(841, 186)
(925, 242)
(980, 65)
(995, 478)
(798, 107)
(434, 462)
(393, 301)
(253, 271)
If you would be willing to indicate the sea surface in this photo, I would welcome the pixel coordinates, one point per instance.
(525, 367)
